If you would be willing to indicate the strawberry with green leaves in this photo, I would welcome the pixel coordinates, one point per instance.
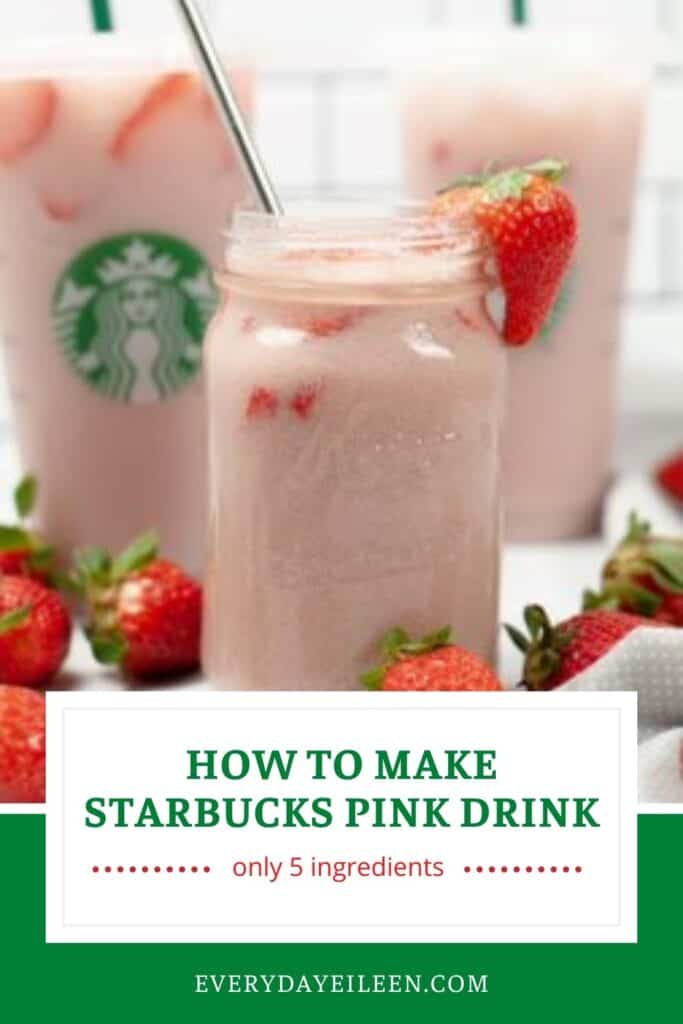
(144, 613)
(35, 632)
(554, 654)
(669, 476)
(643, 575)
(531, 225)
(23, 552)
(432, 663)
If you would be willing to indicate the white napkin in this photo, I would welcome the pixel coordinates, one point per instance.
(649, 662)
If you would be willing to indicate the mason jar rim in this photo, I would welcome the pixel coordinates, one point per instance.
(353, 247)
(353, 223)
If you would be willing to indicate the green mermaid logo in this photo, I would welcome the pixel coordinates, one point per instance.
(131, 313)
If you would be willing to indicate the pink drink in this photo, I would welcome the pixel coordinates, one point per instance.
(355, 385)
(114, 179)
(516, 98)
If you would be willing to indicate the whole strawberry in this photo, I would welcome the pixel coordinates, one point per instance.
(144, 613)
(643, 575)
(22, 746)
(22, 552)
(555, 654)
(432, 663)
(669, 476)
(531, 226)
(35, 631)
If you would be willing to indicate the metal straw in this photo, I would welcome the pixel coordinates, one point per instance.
(228, 107)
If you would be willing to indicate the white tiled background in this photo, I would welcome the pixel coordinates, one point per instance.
(326, 122)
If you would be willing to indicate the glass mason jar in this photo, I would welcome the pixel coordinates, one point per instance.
(355, 384)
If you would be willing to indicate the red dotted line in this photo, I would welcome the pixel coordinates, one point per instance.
(155, 869)
(553, 869)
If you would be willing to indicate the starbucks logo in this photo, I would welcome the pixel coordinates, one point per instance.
(131, 313)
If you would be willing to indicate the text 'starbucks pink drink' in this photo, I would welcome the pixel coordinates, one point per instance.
(355, 387)
(115, 177)
(516, 97)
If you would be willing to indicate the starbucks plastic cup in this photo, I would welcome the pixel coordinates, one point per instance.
(517, 96)
(115, 178)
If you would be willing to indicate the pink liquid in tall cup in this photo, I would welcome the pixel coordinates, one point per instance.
(517, 97)
(355, 387)
(115, 178)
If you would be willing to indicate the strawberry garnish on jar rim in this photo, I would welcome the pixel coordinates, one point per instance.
(531, 225)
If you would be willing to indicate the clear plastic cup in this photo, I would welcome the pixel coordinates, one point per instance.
(115, 178)
(515, 97)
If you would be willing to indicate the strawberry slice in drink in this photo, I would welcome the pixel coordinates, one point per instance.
(27, 112)
(327, 325)
(263, 404)
(327, 321)
(305, 400)
(163, 96)
(467, 321)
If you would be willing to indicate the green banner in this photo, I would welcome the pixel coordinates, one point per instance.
(153, 983)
